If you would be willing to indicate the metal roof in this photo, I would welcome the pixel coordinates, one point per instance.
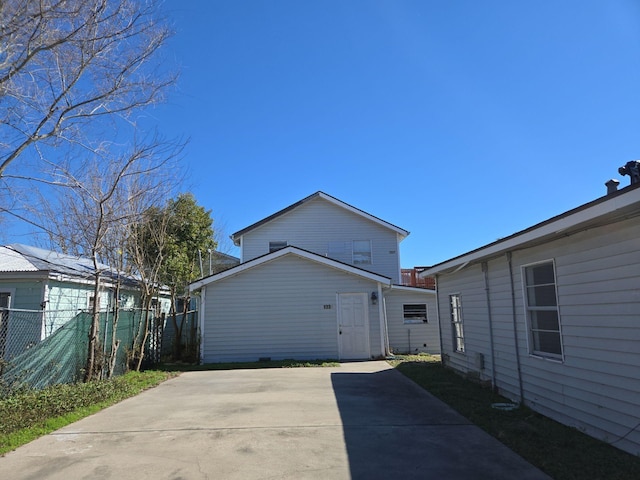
(13, 261)
(18, 258)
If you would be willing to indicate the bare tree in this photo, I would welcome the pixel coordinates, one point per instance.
(72, 69)
(100, 204)
(73, 76)
(147, 249)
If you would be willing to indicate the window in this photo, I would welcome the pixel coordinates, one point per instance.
(455, 305)
(362, 252)
(5, 299)
(273, 246)
(415, 313)
(542, 310)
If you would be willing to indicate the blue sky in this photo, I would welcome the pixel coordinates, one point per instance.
(460, 121)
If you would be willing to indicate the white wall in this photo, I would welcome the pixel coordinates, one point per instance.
(313, 225)
(277, 310)
(411, 337)
(596, 386)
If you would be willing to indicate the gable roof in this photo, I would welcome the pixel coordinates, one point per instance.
(290, 250)
(622, 204)
(400, 231)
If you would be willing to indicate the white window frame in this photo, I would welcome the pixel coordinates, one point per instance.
(412, 318)
(457, 333)
(361, 252)
(276, 245)
(529, 309)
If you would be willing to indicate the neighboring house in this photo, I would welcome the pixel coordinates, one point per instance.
(551, 316)
(219, 262)
(318, 279)
(48, 289)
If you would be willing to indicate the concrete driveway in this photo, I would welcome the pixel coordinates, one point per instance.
(359, 420)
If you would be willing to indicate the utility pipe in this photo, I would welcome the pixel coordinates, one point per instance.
(485, 271)
(442, 356)
(515, 327)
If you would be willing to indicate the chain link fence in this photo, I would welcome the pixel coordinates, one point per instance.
(28, 361)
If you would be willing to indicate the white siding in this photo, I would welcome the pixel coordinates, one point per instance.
(317, 223)
(415, 337)
(597, 385)
(277, 310)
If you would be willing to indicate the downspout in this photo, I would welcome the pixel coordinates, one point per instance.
(515, 327)
(442, 355)
(201, 311)
(485, 271)
(382, 315)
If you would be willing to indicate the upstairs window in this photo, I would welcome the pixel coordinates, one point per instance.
(415, 313)
(273, 246)
(457, 328)
(362, 252)
(543, 320)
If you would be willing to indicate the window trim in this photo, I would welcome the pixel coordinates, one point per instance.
(353, 252)
(454, 333)
(527, 309)
(415, 320)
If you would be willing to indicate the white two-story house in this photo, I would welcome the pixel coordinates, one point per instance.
(317, 280)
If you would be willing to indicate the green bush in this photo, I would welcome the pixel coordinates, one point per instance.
(34, 407)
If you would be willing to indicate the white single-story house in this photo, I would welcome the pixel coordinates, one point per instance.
(550, 316)
(295, 304)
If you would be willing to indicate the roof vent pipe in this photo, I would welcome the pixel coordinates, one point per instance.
(612, 186)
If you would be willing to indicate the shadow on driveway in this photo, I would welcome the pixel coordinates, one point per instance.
(393, 428)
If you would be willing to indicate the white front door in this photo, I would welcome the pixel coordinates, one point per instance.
(353, 325)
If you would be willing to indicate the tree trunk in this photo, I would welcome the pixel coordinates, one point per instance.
(145, 334)
(93, 332)
(115, 342)
(177, 328)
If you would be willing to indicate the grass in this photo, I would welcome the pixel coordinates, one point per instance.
(28, 415)
(562, 452)
(180, 367)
